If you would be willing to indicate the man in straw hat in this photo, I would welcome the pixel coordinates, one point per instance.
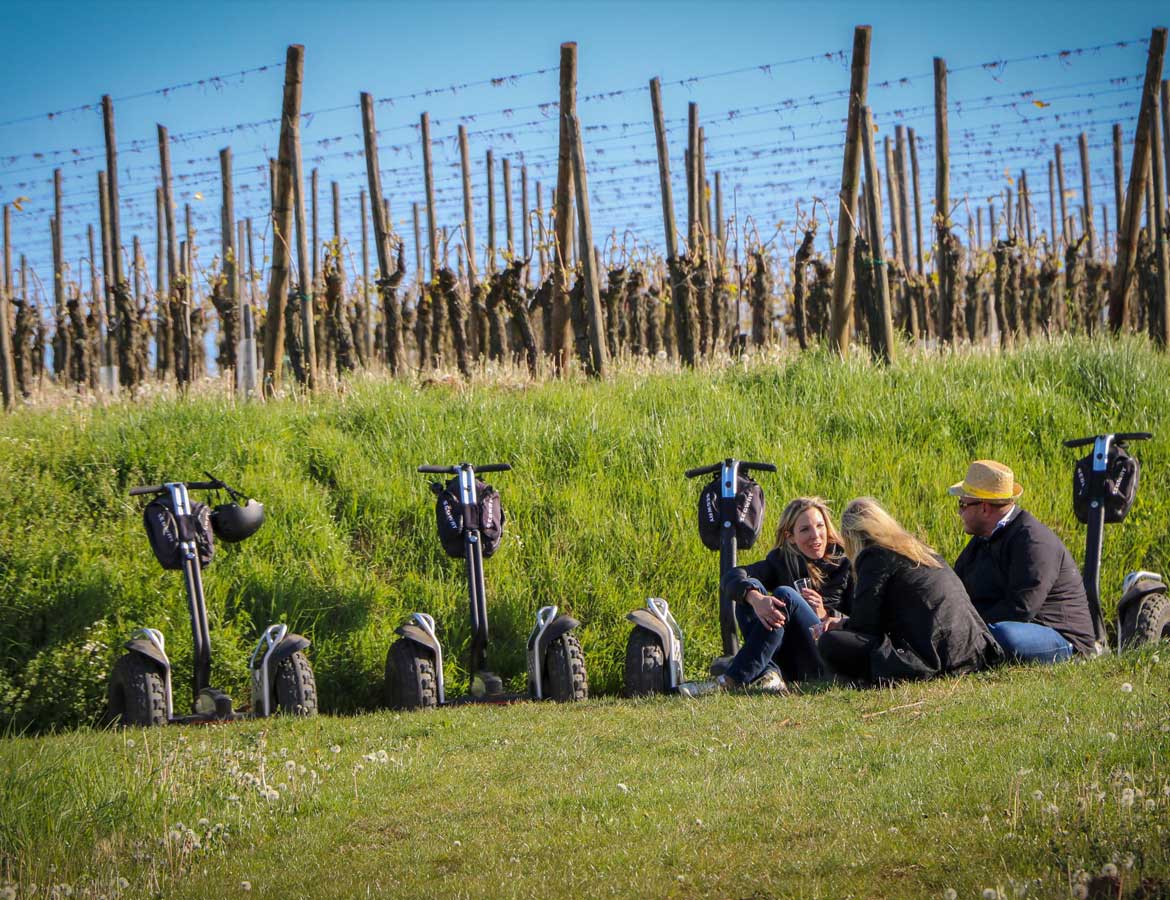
(1020, 576)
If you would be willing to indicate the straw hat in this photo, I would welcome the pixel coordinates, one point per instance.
(987, 480)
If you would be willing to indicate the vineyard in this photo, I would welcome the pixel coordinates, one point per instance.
(603, 272)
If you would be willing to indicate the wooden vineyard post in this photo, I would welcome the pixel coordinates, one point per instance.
(1127, 227)
(842, 309)
(1159, 319)
(173, 281)
(525, 240)
(490, 165)
(429, 184)
(123, 325)
(108, 373)
(720, 229)
(892, 191)
(1166, 131)
(391, 318)
(509, 233)
(1052, 242)
(1026, 207)
(61, 354)
(7, 366)
(305, 264)
(947, 332)
(1087, 194)
(1118, 179)
(881, 324)
(468, 225)
(229, 318)
(540, 245)
(598, 352)
(278, 283)
(913, 141)
(1065, 237)
(367, 308)
(563, 214)
(680, 295)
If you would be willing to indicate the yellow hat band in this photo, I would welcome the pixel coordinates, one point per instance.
(981, 494)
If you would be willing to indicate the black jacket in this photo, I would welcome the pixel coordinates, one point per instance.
(773, 572)
(925, 613)
(1023, 573)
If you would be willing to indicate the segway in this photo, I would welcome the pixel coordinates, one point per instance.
(470, 519)
(180, 531)
(1104, 487)
(731, 513)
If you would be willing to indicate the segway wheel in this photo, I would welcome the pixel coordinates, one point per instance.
(645, 664)
(296, 688)
(565, 670)
(137, 695)
(410, 677)
(1147, 622)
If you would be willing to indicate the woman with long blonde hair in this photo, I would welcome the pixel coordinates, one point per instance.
(783, 601)
(911, 616)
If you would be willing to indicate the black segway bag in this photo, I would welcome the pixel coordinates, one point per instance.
(1121, 484)
(749, 512)
(165, 534)
(488, 517)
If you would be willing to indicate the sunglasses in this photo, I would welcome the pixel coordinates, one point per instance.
(966, 504)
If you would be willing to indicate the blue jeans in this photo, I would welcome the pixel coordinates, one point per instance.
(761, 646)
(1030, 642)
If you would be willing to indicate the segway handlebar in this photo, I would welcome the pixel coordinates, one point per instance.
(191, 485)
(1121, 436)
(743, 467)
(454, 470)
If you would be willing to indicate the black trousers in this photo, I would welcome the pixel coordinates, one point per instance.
(846, 653)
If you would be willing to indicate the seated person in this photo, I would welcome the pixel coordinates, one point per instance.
(780, 623)
(911, 617)
(1019, 575)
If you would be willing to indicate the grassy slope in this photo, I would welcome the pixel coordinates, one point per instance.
(599, 513)
(1011, 781)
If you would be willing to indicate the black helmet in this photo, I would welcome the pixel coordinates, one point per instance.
(233, 522)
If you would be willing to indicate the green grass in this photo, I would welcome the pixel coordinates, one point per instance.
(1013, 781)
(599, 514)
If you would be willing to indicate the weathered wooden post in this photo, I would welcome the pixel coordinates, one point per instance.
(598, 352)
(563, 216)
(489, 164)
(1159, 319)
(842, 310)
(7, 365)
(508, 227)
(1118, 178)
(525, 241)
(680, 294)
(306, 262)
(947, 332)
(61, 344)
(469, 234)
(1026, 207)
(912, 140)
(124, 325)
(367, 307)
(108, 372)
(892, 191)
(1087, 194)
(881, 324)
(1127, 228)
(1165, 105)
(1059, 163)
(282, 194)
(391, 312)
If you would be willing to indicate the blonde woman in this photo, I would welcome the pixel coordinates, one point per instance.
(911, 616)
(783, 601)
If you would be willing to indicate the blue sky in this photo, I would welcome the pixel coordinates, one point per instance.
(769, 79)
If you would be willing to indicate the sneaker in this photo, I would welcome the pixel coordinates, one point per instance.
(771, 682)
(725, 682)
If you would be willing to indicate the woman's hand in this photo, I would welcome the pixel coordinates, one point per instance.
(768, 609)
(834, 622)
(816, 601)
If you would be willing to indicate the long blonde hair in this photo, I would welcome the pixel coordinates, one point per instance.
(787, 528)
(864, 523)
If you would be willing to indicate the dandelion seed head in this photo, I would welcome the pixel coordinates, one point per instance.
(990, 894)
(245, 885)
(1127, 688)
(1110, 736)
(336, 748)
(1109, 870)
(950, 894)
(1127, 797)
(1037, 796)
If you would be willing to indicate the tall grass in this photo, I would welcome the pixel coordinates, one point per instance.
(599, 513)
